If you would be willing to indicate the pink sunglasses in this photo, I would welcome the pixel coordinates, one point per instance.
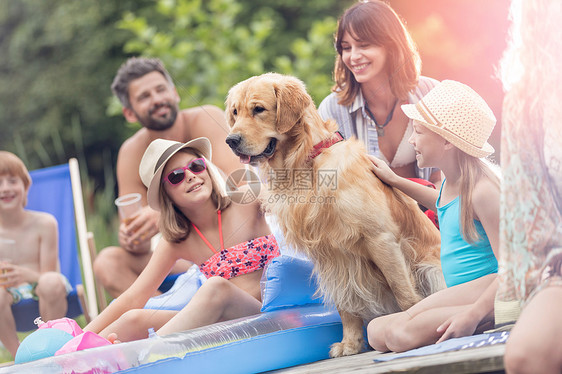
(177, 176)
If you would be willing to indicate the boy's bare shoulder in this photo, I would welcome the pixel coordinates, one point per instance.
(43, 220)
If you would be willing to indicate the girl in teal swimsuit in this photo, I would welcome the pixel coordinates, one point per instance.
(452, 124)
(231, 243)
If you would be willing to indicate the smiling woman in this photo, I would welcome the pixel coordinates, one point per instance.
(377, 69)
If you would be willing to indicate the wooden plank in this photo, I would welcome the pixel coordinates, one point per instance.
(474, 360)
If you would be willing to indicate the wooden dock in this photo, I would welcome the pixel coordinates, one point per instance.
(487, 359)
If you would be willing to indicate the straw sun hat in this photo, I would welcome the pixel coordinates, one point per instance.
(457, 113)
(155, 158)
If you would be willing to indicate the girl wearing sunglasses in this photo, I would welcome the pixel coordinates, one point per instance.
(230, 242)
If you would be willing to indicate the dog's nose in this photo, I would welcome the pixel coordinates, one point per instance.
(233, 140)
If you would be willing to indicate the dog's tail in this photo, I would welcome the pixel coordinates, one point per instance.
(429, 278)
(426, 267)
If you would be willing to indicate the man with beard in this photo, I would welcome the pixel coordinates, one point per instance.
(149, 97)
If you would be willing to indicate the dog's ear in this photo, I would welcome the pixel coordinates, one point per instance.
(230, 106)
(228, 112)
(229, 115)
(292, 100)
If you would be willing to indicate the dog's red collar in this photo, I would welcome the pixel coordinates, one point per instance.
(327, 143)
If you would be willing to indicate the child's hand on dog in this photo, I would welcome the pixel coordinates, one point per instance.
(382, 170)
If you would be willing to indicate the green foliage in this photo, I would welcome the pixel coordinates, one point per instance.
(57, 58)
(209, 46)
(102, 219)
(312, 60)
(203, 52)
(57, 61)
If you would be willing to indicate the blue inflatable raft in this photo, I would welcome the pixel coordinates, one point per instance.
(294, 328)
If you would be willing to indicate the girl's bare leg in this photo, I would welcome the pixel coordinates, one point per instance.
(376, 330)
(417, 326)
(134, 324)
(407, 333)
(217, 300)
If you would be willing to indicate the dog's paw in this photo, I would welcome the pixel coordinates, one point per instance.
(345, 349)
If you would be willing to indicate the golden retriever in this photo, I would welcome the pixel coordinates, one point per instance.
(373, 249)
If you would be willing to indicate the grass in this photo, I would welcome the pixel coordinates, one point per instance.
(5, 356)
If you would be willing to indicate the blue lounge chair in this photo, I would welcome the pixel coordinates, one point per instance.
(57, 190)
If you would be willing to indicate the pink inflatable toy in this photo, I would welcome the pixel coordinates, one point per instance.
(85, 340)
(65, 324)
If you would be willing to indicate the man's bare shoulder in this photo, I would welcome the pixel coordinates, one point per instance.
(132, 149)
(201, 112)
(128, 161)
(136, 142)
(198, 118)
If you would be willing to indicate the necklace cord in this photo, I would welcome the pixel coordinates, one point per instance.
(388, 118)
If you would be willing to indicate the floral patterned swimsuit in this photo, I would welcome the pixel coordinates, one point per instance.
(243, 258)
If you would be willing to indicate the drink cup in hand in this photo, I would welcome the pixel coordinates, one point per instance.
(129, 206)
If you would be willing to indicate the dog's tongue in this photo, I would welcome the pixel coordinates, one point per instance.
(245, 159)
